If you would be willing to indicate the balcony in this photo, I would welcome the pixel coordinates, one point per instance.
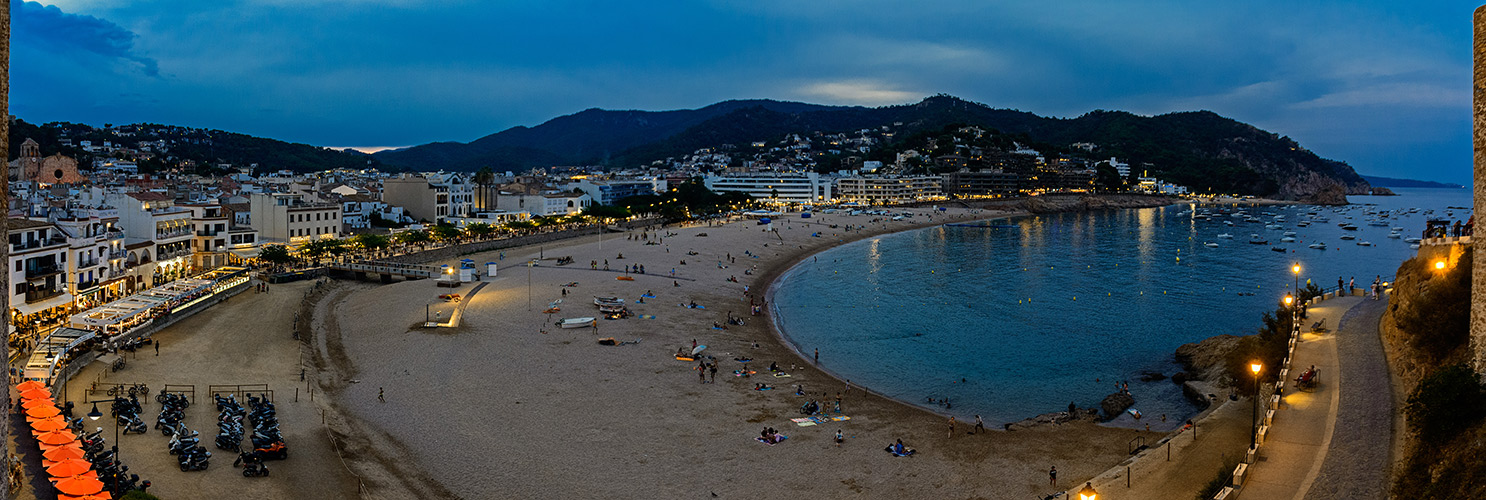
(161, 235)
(33, 272)
(114, 234)
(34, 244)
(84, 264)
(117, 254)
(41, 294)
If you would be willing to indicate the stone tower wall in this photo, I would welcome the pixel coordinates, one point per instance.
(1478, 140)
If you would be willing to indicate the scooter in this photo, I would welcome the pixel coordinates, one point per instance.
(196, 460)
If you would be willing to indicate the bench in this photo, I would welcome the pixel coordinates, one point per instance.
(1319, 326)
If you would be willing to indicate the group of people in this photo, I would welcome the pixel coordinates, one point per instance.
(771, 436)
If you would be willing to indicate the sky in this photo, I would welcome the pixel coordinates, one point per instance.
(1382, 85)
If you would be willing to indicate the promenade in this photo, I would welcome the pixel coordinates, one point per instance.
(1296, 445)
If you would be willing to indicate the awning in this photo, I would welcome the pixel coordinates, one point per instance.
(36, 307)
(246, 253)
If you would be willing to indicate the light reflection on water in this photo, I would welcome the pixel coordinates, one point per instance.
(1029, 317)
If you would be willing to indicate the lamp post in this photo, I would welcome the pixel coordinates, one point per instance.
(1289, 304)
(1296, 269)
(95, 415)
(1254, 436)
(1439, 265)
(1088, 493)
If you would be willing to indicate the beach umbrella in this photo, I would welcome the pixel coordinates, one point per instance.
(63, 453)
(32, 403)
(70, 467)
(78, 486)
(698, 349)
(29, 385)
(36, 394)
(44, 411)
(57, 437)
(48, 424)
(102, 495)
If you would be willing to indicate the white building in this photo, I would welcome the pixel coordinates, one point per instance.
(38, 274)
(780, 187)
(283, 217)
(608, 192)
(889, 189)
(157, 235)
(546, 205)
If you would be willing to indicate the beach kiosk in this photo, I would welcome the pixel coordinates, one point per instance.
(490, 269)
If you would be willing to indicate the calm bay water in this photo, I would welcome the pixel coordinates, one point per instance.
(1012, 322)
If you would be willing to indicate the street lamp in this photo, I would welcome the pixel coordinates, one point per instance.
(1439, 265)
(1296, 269)
(1088, 493)
(1254, 436)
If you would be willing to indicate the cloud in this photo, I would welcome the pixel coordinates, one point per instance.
(1420, 95)
(858, 92)
(77, 35)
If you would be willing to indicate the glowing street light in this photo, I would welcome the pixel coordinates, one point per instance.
(1254, 435)
(1088, 493)
(1296, 269)
(1439, 265)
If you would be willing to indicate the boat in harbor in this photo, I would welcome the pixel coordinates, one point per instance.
(1395, 235)
(570, 323)
(1277, 249)
(1210, 245)
(1288, 239)
(1348, 237)
(1317, 246)
(1225, 235)
(1364, 243)
(1255, 239)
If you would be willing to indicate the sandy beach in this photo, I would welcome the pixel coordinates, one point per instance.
(509, 406)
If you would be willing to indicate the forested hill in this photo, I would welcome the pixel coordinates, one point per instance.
(1199, 149)
(162, 147)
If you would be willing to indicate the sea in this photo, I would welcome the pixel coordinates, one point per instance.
(1032, 313)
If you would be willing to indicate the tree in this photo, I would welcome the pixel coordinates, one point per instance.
(1106, 178)
(606, 211)
(371, 242)
(277, 255)
(445, 232)
(412, 237)
(480, 230)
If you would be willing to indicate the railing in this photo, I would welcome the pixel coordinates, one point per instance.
(1447, 240)
(38, 271)
(172, 234)
(37, 244)
(40, 295)
(209, 233)
(87, 263)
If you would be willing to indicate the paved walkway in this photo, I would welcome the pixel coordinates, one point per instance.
(1223, 435)
(1358, 462)
(1303, 427)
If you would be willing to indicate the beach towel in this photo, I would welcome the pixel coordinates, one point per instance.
(806, 423)
(764, 389)
(780, 375)
(692, 307)
(741, 373)
(781, 439)
(685, 358)
(646, 316)
(840, 418)
(648, 296)
(742, 360)
(906, 451)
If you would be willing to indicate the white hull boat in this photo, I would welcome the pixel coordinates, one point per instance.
(570, 323)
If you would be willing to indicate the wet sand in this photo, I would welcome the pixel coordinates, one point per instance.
(509, 406)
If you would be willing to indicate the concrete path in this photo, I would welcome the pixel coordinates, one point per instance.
(1303, 427)
(1358, 464)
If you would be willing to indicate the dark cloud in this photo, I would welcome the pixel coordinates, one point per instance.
(48, 27)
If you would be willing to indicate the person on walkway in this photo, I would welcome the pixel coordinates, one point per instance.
(1351, 283)
(1052, 476)
(157, 348)
(1339, 286)
(381, 395)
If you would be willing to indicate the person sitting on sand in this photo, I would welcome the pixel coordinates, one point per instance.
(773, 367)
(898, 447)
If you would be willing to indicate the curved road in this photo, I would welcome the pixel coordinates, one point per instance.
(1358, 460)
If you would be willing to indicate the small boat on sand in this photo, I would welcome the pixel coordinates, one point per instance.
(599, 301)
(570, 323)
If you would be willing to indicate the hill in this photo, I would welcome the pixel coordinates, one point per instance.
(1201, 149)
(589, 136)
(166, 147)
(1391, 182)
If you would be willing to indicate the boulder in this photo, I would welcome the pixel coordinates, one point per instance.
(1115, 404)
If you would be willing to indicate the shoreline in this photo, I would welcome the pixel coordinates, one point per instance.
(666, 432)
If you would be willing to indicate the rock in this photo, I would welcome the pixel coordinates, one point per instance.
(1204, 360)
(1179, 378)
(1116, 403)
(1382, 191)
(1151, 376)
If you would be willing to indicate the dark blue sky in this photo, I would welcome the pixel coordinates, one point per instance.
(1383, 85)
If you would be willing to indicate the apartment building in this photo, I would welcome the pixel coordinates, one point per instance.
(288, 218)
(780, 187)
(888, 189)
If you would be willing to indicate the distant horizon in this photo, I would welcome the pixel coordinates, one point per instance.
(1383, 86)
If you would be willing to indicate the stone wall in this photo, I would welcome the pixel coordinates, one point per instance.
(1478, 142)
(5, 412)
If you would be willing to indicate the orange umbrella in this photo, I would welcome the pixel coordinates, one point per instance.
(32, 403)
(70, 467)
(48, 424)
(63, 453)
(44, 411)
(29, 385)
(99, 496)
(79, 486)
(57, 437)
(36, 394)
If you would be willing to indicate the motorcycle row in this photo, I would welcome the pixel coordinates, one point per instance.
(183, 442)
(112, 472)
(268, 441)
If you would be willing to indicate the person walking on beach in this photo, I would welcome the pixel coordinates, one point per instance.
(951, 427)
(157, 348)
(1052, 476)
(980, 426)
(702, 374)
(817, 355)
(713, 369)
(381, 395)
(839, 438)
